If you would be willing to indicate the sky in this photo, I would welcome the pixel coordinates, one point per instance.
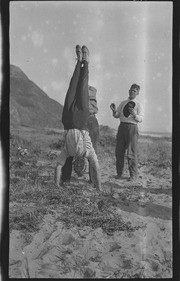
(129, 42)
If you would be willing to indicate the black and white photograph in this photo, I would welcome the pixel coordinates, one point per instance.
(90, 139)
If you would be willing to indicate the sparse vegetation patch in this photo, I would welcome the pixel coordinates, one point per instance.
(33, 198)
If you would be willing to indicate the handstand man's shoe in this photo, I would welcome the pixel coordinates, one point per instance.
(78, 52)
(85, 53)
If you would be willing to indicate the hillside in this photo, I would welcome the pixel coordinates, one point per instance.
(29, 105)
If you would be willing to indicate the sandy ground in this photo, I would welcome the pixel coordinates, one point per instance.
(145, 252)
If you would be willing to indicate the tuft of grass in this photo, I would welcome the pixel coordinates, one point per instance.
(52, 132)
(26, 217)
(156, 152)
(58, 145)
(76, 210)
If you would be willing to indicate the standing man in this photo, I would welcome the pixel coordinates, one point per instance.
(130, 112)
(75, 120)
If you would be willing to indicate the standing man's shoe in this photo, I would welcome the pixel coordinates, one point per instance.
(132, 179)
(118, 177)
(85, 53)
(78, 52)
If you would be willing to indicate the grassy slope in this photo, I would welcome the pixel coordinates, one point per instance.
(33, 194)
(31, 177)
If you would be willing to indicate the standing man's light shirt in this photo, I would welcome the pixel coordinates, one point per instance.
(138, 109)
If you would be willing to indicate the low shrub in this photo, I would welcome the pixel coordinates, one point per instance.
(106, 141)
(157, 151)
(51, 132)
(57, 145)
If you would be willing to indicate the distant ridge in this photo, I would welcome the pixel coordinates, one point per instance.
(150, 134)
(156, 134)
(29, 105)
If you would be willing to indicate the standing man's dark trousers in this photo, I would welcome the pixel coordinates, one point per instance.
(127, 138)
(93, 128)
(66, 170)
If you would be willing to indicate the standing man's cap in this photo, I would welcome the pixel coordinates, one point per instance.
(92, 92)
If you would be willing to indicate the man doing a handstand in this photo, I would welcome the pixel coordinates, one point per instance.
(75, 120)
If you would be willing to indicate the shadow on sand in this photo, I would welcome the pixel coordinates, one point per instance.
(148, 209)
